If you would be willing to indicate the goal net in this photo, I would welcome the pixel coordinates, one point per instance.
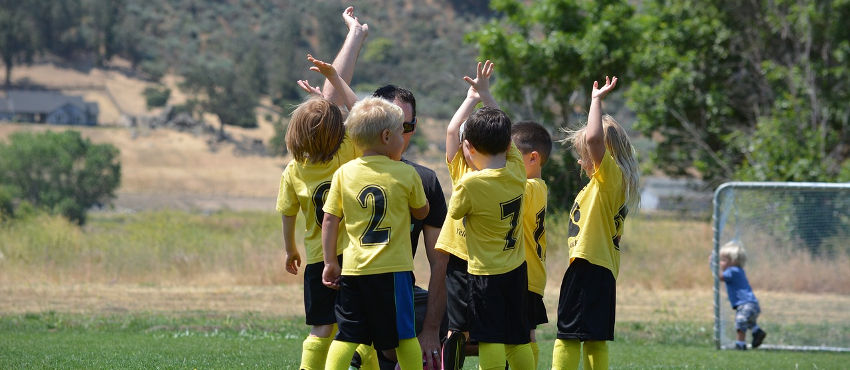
(797, 241)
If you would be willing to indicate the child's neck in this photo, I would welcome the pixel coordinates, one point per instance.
(495, 161)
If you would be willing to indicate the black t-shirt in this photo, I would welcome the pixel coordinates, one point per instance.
(436, 201)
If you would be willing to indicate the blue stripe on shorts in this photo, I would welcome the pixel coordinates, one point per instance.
(404, 304)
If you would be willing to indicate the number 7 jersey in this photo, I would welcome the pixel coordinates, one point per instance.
(373, 195)
(490, 203)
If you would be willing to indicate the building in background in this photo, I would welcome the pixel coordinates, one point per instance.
(51, 107)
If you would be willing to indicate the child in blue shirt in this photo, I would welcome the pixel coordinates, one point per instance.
(741, 296)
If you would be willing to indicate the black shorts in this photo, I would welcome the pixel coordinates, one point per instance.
(587, 303)
(318, 299)
(498, 307)
(457, 294)
(536, 310)
(376, 309)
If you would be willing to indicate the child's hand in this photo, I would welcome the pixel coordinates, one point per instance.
(481, 83)
(325, 69)
(312, 90)
(598, 93)
(352, 22)
(293, 262)
(330, 275)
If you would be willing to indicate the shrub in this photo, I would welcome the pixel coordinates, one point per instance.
(155, 97)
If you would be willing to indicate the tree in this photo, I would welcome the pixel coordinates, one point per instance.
(63, 173)
(19, 39)
(547, 53)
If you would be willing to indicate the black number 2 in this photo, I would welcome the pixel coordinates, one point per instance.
(374, 235)
(319, 196)
(511, 209)
(538, 232)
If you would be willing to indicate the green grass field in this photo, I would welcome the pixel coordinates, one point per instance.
(199, 340)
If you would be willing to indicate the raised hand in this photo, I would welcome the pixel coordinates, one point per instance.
(326, 69)
(312, 90)
(599, 93)
(481, 82)
(352, 23)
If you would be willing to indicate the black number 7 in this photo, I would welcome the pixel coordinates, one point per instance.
(511, 209)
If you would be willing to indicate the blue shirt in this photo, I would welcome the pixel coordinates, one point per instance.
(738, 287)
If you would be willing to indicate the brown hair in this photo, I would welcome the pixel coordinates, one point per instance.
(315, 131)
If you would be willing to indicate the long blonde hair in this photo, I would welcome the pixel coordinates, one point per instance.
(618, 144)
(315, 131)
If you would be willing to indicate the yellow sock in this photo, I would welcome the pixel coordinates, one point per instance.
(491, 356)
(520, 356)
(566, 354)
(535, 350)
(314, 351)
(368, 357)
(409, 354)
(596, 354)
(339, 355)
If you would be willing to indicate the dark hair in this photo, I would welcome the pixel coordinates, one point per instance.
(488, 130)
(531, 136)
(393, 92)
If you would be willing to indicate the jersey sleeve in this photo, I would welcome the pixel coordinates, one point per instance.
(728, 274)
(333, 204)
(459, 205)
(287, 199)
(457, 167)
(416, 198)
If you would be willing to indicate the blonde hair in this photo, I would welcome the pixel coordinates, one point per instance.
(735, 252)
(315, 131)
(618, 144)
(369, 118)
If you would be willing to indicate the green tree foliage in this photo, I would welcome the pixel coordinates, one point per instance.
(547, 53)
(222, 91)
(18, 34)
(156, 97)
(745, 90)
(63, 173)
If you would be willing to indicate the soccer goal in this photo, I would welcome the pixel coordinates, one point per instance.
(797, 239)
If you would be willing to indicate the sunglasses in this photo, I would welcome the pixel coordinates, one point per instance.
(409, 126)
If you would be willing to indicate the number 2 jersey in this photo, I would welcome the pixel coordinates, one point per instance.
(373, 195)
(489, 201)
(534, 231)
(304, 186)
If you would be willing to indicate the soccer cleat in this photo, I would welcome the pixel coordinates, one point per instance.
(452, 357)
(758, 338)
(741, 346)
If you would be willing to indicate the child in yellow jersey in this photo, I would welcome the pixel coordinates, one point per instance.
(488, 200)
(375, 195)
(535, 144)
(586, 306)
(317, 140)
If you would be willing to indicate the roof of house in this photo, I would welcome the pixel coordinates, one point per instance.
(27, 101)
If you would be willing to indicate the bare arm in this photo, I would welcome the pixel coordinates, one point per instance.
(429, 338)
(348, 97)
(421, 212)
(293, 259)
(347, 57)
(479, 90)
(331, 272)
(594, 134)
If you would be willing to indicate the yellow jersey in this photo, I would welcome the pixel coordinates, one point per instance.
(304, 186)
(534, 233)
(373, 195)
(597, 218)
(489, 201)
(452, 237)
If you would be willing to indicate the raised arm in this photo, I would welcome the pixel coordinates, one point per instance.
(347, 57)
(348, 97)
(594, 135)
(479, 91)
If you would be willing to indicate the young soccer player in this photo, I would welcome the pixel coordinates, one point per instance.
(587, 303)
(741, 296)
(489, 201)
(375, 195)
(535, 144)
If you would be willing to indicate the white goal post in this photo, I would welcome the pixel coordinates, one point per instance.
(797, 239)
